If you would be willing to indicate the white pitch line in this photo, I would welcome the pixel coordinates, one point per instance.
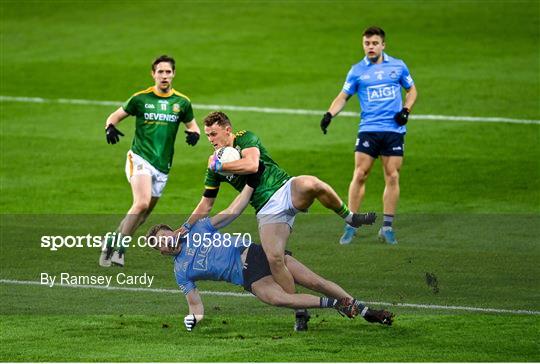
(234, 294)
(130, 289)
(270, 110)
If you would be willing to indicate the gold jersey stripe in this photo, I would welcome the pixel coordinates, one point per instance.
(181, 95)
(161, 94)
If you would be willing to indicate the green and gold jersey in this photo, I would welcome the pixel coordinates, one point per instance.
(273, 178)
(157, 116)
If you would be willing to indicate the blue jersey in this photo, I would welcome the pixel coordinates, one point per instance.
(206, 255)
(379, 91)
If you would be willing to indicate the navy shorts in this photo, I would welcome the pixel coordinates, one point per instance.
(256, 266)
(376, 143)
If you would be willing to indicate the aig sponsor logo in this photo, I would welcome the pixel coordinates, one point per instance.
(381, 93)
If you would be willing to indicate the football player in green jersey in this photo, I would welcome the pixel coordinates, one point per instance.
(277, 199)
(158, 112)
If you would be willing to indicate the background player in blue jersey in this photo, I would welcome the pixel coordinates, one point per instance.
(377, 79)
(206, 254)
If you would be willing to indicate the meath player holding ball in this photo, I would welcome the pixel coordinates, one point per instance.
(277, 199)
(158, 110)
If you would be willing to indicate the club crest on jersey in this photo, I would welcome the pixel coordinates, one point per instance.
(176, 108)
(381, 93)
(393, 75)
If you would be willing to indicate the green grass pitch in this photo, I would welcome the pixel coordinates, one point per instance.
(469, 211)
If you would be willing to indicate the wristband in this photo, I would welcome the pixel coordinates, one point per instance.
(187, 226)
(217, 166)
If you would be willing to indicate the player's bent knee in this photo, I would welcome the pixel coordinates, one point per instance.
(320, 186)
(276, 260)
(314, 185)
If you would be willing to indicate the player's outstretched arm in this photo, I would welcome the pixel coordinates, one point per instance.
(335, 108)
(196, 310)
(234, 210)
(201, 211)
(241, 201)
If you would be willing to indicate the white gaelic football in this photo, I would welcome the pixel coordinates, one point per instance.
(225, 155)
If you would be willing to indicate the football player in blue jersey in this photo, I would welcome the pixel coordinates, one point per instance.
(377, 80)
(206, 254)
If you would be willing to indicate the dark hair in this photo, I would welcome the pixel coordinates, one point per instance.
(374, 31)
(217, 117)
(156, 229)
(164, 58)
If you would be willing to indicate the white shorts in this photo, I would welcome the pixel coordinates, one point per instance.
(279, 209)
(137, 165)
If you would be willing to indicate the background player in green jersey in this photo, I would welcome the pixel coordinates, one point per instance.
(277, 199)
(158, 111)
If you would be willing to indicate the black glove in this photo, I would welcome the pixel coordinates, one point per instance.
(253, 180)
(402, 117)
(327, 118)
(192, 137)
(113, 135)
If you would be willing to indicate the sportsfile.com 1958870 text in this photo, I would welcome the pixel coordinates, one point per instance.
(55, 242)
